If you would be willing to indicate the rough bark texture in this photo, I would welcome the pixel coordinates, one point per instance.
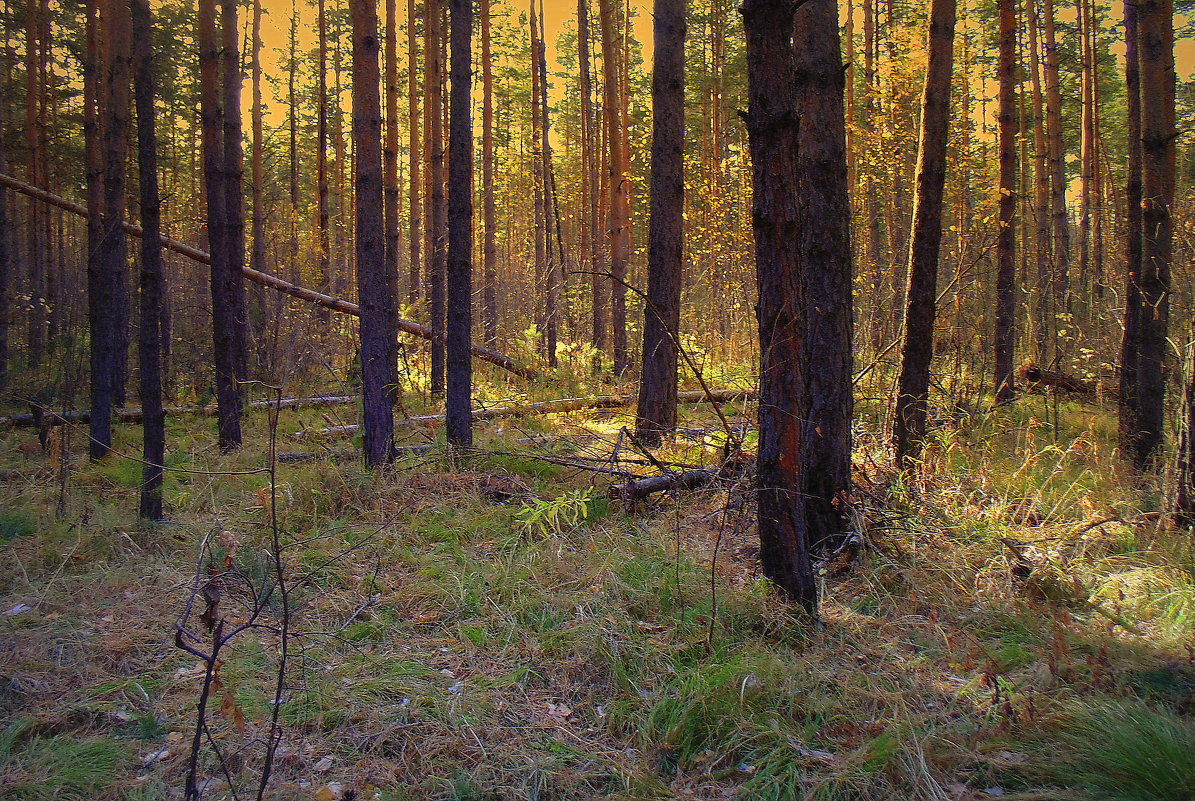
(323, 245)
(153, 288)
(824, 244)
(6, 270)
(223, 316)
(415, 204)
(257, 257)
(1184, 469)
(591, 225)
(772, 131)
(234, 190)
(1155, 51)
(437, 216)
(459, 421)
(908, 427)
(1006, 238)
(1130, 346)
(1057, 160)
(656, 416)
(390, 146)
(1042, 294)
(376, 283)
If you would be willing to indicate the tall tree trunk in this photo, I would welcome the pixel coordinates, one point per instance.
(234, 179)
(96, 277)
(6, 271)
(458, 409)
(390, 149)
(415, 204)
(1057, 158)
(1006, 239)
(489, 297)
(591, 226)
(1043, 305)
(438, 212)
(1086, 149)
(36, 330)
(257, 257)
(323, 243)
(292, 113)
(656, 415)
(377, 284)
(107, 340)
(619, 230)
(1155, 51)
(773, 135)
(153, 290)
(546, 304)
(825, 274)
(909, 423)
(1130, 346)
(224, 340)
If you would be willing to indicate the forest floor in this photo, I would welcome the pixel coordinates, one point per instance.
(1016, 623)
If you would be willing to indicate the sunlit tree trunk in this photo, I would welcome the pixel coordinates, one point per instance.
(1057, 159)
(257, 257)
(619, 231)
(390, 148)
(591, 228)
(415, 204)
(323, 244)
(437, 216)
(1130, 348)
(1042, 294)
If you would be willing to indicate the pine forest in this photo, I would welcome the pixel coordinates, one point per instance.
(503, 400)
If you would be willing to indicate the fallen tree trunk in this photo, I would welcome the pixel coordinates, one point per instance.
(542, 407)
(50, 418)
(265, 279)
(1037, 378)
(641, 488)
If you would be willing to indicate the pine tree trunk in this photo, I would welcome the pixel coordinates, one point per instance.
(489, 299)
(390, 148)
(257, 257)
(1006, 238)
(323, 242)
(234, 174)
(591, 225)
(376, 282)
(415, 204)
(35, 341)
(1155, 51)
(223, 318)
(153, 290)
(458, 408)
(1042, 293)
(656, 415)
(437, 217)
(909, 422)
(1057, 158)
(1130, 346)
(619, 231)
(773, 135)
(6, 270)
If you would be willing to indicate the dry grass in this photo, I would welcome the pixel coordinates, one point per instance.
(447, 651)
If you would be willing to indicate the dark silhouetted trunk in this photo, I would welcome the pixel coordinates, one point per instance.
(591, 230)
(234, 179)
(377, 285)
(153, 290)
(224, 339)
(6, 271)
(783, 406)
(489, 248)
(656, 416)
(458, 411)
(108, 324)
(1130, 346)
(1155, 52)
(36, 262)
(390, 147)
(824, 244)
(909, 423)
(1006, 238)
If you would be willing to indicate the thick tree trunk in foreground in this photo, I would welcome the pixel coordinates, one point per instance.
(908, 429)
(1006, 239)
(153, 288)
(656, 416)
(376, 284)
(437, 213)
(824, 250)
(1155, 51)
(459, 420)
(1130, 346)
(772, 133)
(222, 288)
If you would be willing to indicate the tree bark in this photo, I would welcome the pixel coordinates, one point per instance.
(1006, 238)
(1057, 158)
(618, 231)
(35, 340)
(257, 257)
(489, 248)
(390, 147)
(772, 131)
(1043, 294)
(590, 238)
(656, 415)
(437, 218)
(376, 282)
(234, 179)
(1130, 346)
(459, 420)
(1155, 51)
(222, 291)
(323, 242)
(415, 204)
(153, 288)
(909, 423)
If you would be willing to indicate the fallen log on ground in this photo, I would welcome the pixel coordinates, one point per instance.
(50, 418)
(540, 407)
(1036, 379)
(640, 488)
(265, 279)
